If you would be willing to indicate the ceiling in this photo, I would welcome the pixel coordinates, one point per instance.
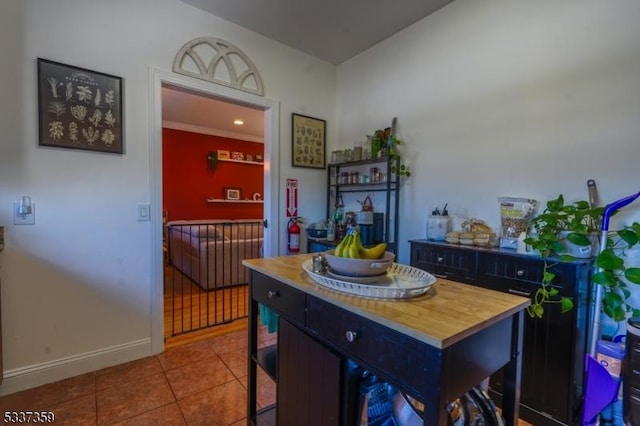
(201, 111)
(331, 30)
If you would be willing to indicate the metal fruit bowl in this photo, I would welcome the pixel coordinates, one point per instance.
(316, 233)
(359, 267)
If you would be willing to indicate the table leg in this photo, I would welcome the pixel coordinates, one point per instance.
(513, 374)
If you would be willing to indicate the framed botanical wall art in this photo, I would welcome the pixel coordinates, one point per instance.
(308, 147)
(79, 108)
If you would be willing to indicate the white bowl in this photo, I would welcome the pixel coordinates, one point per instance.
(359, 267)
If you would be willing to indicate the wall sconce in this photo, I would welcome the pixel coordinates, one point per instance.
(24, 213)
(212, 161)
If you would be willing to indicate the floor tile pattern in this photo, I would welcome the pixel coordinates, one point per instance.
(199, 383)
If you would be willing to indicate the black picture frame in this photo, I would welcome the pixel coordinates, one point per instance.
(79, 108)
(308, 144)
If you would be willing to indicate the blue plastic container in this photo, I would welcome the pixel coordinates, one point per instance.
(609, 355)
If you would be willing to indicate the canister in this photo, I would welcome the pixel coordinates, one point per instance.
(437, 227)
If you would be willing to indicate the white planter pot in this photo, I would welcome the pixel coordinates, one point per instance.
(580, 252)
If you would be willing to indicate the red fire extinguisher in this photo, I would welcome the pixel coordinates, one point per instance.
(293, 235)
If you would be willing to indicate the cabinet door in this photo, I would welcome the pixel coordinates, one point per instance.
(309, 380)
(549, 371)
(444, 261)
(553, 346)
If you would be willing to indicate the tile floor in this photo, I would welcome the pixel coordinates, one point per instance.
(199, 383)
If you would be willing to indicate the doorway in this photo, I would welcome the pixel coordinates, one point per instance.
(158, 79)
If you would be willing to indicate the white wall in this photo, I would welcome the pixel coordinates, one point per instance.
(76, 286)
(499, 98)
(493, 98)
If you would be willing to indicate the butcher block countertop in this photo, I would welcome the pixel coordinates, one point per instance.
(448, 313)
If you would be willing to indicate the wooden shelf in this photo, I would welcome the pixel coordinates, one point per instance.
(220, 200)
(255, 163)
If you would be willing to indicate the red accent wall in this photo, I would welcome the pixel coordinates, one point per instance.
(187, 181)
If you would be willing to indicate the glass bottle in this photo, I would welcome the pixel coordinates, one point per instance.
(331, 229)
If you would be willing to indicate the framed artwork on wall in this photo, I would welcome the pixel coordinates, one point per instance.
(223, 155)
(79, 108)
(234, 194)
(308, 147)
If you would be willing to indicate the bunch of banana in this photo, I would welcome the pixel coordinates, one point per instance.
(351, 247)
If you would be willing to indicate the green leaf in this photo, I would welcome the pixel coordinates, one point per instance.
(628, 236)
(567, 258)
(582, 205)
(538, 310)
(557, 247)
(579, 239)
(566, 304)
(555, 205)
(633, 275)
(548, 277)
(613, 299)
(605, 278)
(607, 259)
(619, 314)
(553, 291)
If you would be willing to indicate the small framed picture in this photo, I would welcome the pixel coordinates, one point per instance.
(237, 156)
(249, 157)
(223, 155)
(308, 144)
(233, 194)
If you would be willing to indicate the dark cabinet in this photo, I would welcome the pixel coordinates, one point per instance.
(309, 383)
(445, 262)
(554, 346)
(310, 378)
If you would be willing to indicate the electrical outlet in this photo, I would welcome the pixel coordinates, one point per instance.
(20, 219)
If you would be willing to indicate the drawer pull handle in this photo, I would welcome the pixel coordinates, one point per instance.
(350, 336)
(440, 259)
(273, 293)
(443, 276)
(520, 272)
(520, 293)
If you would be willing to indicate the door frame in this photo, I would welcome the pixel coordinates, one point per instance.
(158, 78)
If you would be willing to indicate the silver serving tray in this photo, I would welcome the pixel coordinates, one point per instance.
(401, 282)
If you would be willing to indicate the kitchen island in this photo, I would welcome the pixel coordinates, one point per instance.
(434, 347)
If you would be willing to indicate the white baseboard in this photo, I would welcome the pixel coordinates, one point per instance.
(27, 377)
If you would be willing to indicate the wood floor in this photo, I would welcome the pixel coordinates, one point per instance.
(191, 313)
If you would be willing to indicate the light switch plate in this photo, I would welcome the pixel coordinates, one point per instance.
(144, 212)
(19, 219)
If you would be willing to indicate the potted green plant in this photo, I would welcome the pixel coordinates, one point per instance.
(560, 225)
(385, 142)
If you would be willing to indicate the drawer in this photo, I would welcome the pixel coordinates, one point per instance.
(445, 262)
(386, 351)
(521, 275)
(283, 299)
